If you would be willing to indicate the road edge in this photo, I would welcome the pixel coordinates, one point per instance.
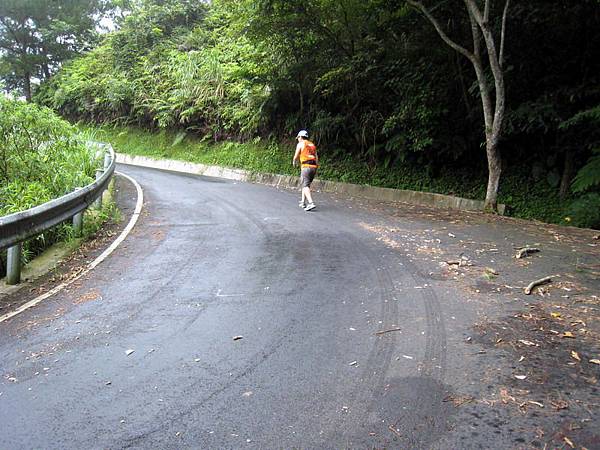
(132, 221)
(292, 182)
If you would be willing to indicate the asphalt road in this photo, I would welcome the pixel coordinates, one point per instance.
(211, 260)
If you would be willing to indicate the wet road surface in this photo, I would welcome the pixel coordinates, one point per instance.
(345, 341)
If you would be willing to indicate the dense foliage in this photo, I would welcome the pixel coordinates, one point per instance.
(36, 36)
(371, 80)
(41, 158)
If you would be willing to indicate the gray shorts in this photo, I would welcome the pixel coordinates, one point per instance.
(307, 175)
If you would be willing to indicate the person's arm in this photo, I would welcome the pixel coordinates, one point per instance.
(297, 154)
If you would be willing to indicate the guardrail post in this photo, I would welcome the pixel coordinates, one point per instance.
(99, 173)
(98, 201)
(13, 260)
(107, 160)
(78, 224)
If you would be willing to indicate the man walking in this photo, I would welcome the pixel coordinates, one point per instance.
(306, 152)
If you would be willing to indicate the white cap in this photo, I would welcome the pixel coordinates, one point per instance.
(302, 133)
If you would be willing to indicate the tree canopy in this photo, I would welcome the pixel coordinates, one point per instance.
(37, 36)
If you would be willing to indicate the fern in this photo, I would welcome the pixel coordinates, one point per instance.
(585, 211)
(589, 175)
(591, 115)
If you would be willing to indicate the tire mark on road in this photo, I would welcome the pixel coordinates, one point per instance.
(434, 359)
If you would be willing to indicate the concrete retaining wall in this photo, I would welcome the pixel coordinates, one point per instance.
(292, 182)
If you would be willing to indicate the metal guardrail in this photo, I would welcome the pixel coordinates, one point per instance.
(18, 227)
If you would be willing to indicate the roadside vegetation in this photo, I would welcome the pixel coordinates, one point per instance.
(535, 201)
(42, 157)
(490, 100)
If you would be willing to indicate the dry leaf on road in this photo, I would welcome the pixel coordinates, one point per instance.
(560, 404)
(505, 397)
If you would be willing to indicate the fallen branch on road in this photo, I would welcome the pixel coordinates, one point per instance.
(526, 252)
(458, 400)
(379, 333)
(535, 283)
(393, 429)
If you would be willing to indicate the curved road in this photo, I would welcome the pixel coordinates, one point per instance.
(211, 260)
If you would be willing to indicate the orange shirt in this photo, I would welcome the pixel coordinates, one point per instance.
(308, 154)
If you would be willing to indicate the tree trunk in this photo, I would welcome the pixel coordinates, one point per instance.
(27, 86)
(493, 114)
(46, 71)
(567, 175)
(494, 171)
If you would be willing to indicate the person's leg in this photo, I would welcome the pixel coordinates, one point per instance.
(302, 184)
(310, 175)
(306, 194)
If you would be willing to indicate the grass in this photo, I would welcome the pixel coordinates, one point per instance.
(258, 156)
(531, 200)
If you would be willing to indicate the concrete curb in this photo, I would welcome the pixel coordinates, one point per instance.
(292, 182)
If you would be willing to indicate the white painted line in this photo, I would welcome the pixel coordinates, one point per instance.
(95, 262)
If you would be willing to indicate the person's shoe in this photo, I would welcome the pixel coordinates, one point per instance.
(302, 205)
(310, 206)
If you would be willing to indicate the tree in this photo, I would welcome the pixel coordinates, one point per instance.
(37, 36)
(493, 112)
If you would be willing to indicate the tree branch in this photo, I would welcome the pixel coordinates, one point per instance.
(440, 31)
(475, 12)
(486, 14)
(334, 37)
(494, 66)
(7, 48)
(503, 33)
(484, 89)
(10, 29)
(475, 33)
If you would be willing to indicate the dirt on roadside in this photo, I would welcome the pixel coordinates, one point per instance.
(537, 355)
